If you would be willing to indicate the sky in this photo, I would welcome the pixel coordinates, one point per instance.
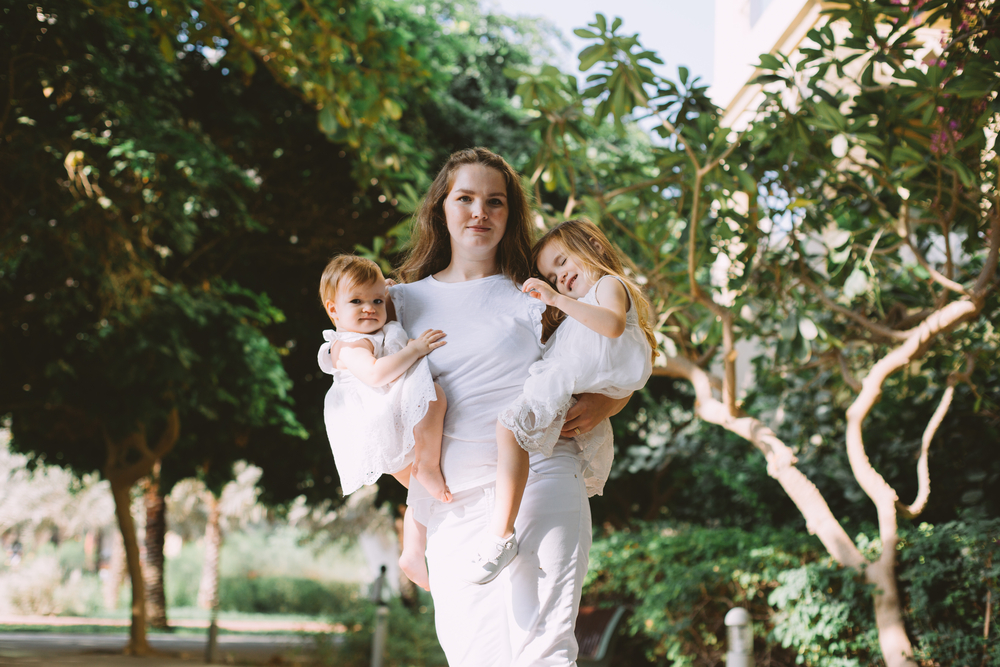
(680, 31)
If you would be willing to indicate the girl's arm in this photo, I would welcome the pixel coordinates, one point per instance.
(607, 319)
(358, 358)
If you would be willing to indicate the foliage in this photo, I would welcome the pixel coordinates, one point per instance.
(412, 640)
(50, 580)
(286, 595)
(680, 580)
(952, 572)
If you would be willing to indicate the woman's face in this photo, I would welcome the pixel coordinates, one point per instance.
(476, 211)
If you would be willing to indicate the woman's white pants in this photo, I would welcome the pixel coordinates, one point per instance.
(525, 617)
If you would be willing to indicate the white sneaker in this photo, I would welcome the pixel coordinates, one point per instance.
(492, 556)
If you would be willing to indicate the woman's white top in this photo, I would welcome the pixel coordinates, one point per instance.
(579, 360)
(371, 428)
(493, 337)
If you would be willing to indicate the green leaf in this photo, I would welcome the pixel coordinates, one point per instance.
(585, 34)
(593, 54)
(167, 48)
(769, 62)
(328, 120)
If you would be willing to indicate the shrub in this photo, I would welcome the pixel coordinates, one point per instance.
(286, 595)
(681, 580)
(412, 639)
(39, 585)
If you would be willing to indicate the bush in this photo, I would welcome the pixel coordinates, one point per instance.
(182, 576)
(286, 595)
(681, 580)
(412, 639)
(949, 572)
(39, 585)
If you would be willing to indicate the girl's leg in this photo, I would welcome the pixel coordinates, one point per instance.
(427, 448)
(411, 561)
(498, 546)
(512, 475)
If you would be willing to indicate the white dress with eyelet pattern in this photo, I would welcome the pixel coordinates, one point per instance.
(371, 428)
(578, 360)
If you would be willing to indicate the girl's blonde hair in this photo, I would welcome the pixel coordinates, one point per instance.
(430, 245)
(357, 270)
(588, 246)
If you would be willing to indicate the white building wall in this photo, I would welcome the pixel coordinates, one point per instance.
(744, 29)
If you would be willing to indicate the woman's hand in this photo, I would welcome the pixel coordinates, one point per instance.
(589, 411)
(540, 290)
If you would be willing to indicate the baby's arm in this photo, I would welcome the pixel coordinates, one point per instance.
(607, 319)
(358, 358)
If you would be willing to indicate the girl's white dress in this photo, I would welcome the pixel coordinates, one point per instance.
(371, 428)
(578, 360)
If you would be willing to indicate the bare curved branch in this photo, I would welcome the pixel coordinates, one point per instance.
(874, 327)
(923, 471)
(780, 463)
(936, 275)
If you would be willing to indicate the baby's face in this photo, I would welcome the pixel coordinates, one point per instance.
(358, 307)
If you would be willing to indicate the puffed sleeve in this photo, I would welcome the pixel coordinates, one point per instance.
(534, 309)
(398, 295)
(323, 357)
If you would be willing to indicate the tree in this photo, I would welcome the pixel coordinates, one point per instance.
(810, 231)
(113, 349)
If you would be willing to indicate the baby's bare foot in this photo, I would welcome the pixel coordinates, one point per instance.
(430, 478)
(414, 566)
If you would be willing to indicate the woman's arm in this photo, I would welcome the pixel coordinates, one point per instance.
(589, 411)
(607, 320)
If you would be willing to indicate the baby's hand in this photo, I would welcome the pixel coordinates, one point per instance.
(427, 341)
(389, 282)
(540, 290)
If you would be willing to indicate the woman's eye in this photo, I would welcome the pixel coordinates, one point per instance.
(465, 198)
(496, 202)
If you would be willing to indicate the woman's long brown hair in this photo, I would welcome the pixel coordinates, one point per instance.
(430, 243)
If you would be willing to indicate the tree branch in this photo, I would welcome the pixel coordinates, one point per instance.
(923, 472)
(938, 277)
(780, 463)
(874, 327)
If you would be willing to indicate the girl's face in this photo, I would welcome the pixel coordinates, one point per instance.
(476, 211)
(359, 308)
(564, 270)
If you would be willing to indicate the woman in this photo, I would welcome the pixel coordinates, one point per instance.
(470, 254)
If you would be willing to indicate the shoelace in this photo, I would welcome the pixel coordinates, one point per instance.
(495, 560)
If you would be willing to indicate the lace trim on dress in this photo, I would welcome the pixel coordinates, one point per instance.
(536, 424)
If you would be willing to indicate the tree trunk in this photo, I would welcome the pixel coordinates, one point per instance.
(129, 459)
(156, 527)
(208, 591)
(137, 645)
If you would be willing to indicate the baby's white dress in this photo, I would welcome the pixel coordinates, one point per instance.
(371, 428)
(578, 360)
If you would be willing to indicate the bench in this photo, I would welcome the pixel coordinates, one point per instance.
(595, 632)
